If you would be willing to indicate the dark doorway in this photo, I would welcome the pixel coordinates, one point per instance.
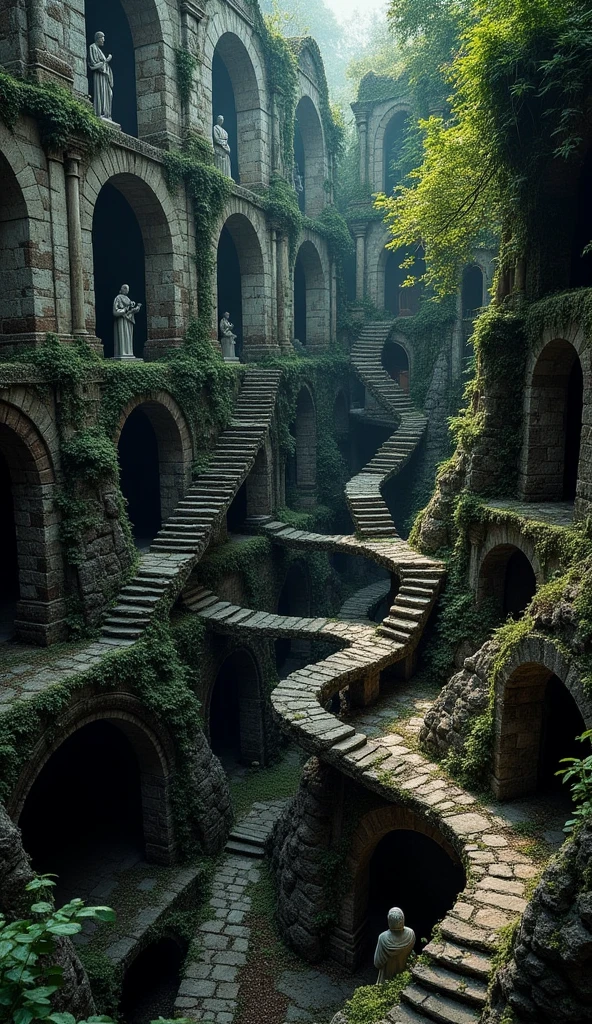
(294, 601)
(300, 301)
(395, 138)
(223, 102)
(109, 17)
(300, 160)
(236, 714)
(573, 430)
(230, 297)
(140, 476)
(472, 292)
(411, 871)
(9, 571)
(562, 724)
(519, 585)
(83, 815)
(237, 513)
(118, 258)
(396, 363)
(151, 984)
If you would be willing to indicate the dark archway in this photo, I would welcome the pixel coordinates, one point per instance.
(309, 153)
(396, 363)
(303, 472)
(507, 579)
(300, 163)
(554, 425)
(238, 511)
(394, 144)
(295, 601)
(399, 300)
(310, 298)
(17, 309)
(241, 283)
(472, 291)
(84, 810)
(140, 476)
(562, 724)
(108, 16)
(114, 265)
(411, 871)
(236, 722)
(151, 983)
(236, 95)
(230, 295)
(9, 574)
(223, 103)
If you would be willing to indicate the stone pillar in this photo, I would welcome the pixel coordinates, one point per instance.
(367, 690)
(284, 292)
(59, 241)
(362, 124)
(75, 243)
(276, 137)
(274, 288)
(359, 231)
(192, 14)
(36, 24)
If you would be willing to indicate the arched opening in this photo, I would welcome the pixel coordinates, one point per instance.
(140, 476)
(236, 722)
(412, 871)
(300, 166)
(301, 475)
(114, 265)
(508, 579)
(310, 298)
(9, 577)
(238, 511)
(581, 260)
(236, 95)
(108, 16)
(260, 485)
(17, 310)
(538, 722)
(241, 283)
(294, 600)
(554, 425)
(395, 137)
(84, 809)
(151, 983)
(396, 363)
(472, 292)
(309, 154)
(399, 300)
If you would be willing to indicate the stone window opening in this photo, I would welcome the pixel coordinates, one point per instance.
(295, 601)
(109, 16)
(241, 285)
(472, 295)
(310, 299)
(309, 154)
(235, 714)
(554, 407)
(393, 150)
(236, 95)
(151, 982)
(537, 722)
(507, 578)
(101, 796)
(399, 300)
(396, 363)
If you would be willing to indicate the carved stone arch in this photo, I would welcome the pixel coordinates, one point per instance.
(311, 155)
(244, 232)
(153, 748)
(235, 706)
(312, 308)
(396, 108)
(490, 562)
(304, 466)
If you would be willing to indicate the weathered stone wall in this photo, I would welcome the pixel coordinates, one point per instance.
(461, 700)
(210, 782)
(549, 977)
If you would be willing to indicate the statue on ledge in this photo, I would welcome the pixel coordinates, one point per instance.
(228, 339)
(124, 311)
(102, 74)
(394, 947)
(221, 148)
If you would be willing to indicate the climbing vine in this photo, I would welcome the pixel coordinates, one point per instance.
(59, 116)
(186, 64)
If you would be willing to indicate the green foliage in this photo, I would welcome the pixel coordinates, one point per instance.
(246, 559)
(28, 978)
(578, 773)
(59, 116)
(186, 65)
(280, 780)
(90, 457)
(372, 1003)
(281, 205)
(332, 226)
(506, 940)
(427, 331)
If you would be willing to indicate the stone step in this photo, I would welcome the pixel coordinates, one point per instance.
(347, 746)
(468, 934)
(131, 595)
(117, 620)
(245, 849)
(400, 611)
(416, 591)
(121, 632)
(437, 1007)
(403, 1014)
(131, 611)
(394, 634)
(405, 600)
(241, 834)
(466, 990)
(460, 959)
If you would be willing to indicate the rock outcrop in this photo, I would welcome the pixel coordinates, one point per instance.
(463, 698)
(215, 810)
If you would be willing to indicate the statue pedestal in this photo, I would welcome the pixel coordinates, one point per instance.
(228, 351)
(127, 359)
(112, 124)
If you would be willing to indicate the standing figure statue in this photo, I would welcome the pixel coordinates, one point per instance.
(394, 947)
(102, 75)
(228, 339)
(221, 147)
(297, 179)
(124, 311)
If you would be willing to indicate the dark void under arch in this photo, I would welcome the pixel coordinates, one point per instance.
(140, 476)
(151, 983)
(236, 95)
(108, 16)
(309, 146)
(85, 808)
(118, 258)
(395, 137)
(236, 724)
(229, 283)
(508, 580)
(300, 318)
(411, 871)
(295, 601)
(472, 291)
(396, 363)
(9, 575)
(300, 162)
(223, 102)
(399, 300)
(17, 296)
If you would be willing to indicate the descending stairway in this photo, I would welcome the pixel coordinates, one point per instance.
(364, 491)
(186, 534)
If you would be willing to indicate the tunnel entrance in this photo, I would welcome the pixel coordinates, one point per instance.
(294, 600)
(519, 585)
(82, 818)
(562, 724)
(151, 984)
(108, 16)
(236, 712)
(472, 292)
(119, 264)
(411, 871)
(9, 573)
(140, 476)
(396, 363)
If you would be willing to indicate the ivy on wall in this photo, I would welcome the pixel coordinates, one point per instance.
(59, 116)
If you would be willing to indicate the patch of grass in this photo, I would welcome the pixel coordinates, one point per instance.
(371, 1003)
(273, 783)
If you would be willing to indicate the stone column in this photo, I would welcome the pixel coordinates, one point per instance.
(276, 138)
(59, 241)
(362, 125)
(36, 24)
(284, 296)
(192, 14)
(75, 243)
(359, 231)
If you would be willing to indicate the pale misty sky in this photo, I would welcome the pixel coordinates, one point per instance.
(345, 8)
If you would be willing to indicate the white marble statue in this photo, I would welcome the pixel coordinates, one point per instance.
(393, 947)
(100, 67)
(297, 179)
(221, 147)
(124, 311)
(228, 339)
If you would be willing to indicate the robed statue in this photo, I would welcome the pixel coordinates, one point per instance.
(228, 339)
(124, 315)
(100, 67)
(221, 147)
(394, 947)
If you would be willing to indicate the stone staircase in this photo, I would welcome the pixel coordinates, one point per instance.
(364, 491)
(186, 534)
(249, 837)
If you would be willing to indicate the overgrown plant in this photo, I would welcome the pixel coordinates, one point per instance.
(579, 774)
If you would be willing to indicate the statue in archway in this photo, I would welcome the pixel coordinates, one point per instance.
(394, 947)
(297, 179)
(124, 315)
(102, 74)
(221, 147)
(228, 339)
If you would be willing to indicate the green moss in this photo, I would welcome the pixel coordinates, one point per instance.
(279, 781)
(372, 1003)
(58, 115)
(186, 65)
(505, 941)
